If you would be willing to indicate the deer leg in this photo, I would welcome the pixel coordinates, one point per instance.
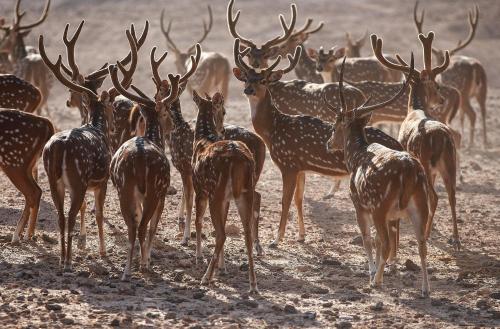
(82, 239)
(256, 211)
(216, 213)
(100, 197)
(57, 191)
(481, 99)
(364, 226)
(471, 115)
(128, 212)
(188, 199)
(383, 248)
(418, 214)
(201, 207)
(335, 187)
(221, 267)
(148, 210)
(449, 181)
(245, 203)
(299, 198)
(180, 215)
(289, 182)
(77, 198)
(433, 199)
(393, 240)
(153, 227)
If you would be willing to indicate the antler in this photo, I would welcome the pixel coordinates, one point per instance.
(206, 29)
(174, 90)
(377, 51)
(293, 60)
(287, 30)
(418, 22)
(427, 46)
(70, 49)
(238, 56)
(231, 23)
(19, 16)
(143, 99)
(195, 60)
(56, 69)
(473, 21)
(166, 33)
(127, 74)
(155, 64)
(361, 40)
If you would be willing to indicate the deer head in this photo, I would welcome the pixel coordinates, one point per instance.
(180, 56)
(256, 82)
(439, 53)
(360, 116)
(259, 55)
(353, 48)
(423, 82)
(325, 61)
(15, 33)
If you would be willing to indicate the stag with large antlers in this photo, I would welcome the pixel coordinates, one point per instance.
(385, 184)
(222, 170)
(28, 66)
(78, 159)
(465, 73)
(213, 70)
(16, 93)
(424, 137)
(22, 137)
(297, 143)
(140, 170)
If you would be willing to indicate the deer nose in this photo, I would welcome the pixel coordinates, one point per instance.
(319, 68)
(68, 104)
(249, 91)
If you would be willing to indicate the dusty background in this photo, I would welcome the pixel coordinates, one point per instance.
(321, 283)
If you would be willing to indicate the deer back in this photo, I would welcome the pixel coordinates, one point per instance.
(16, 93)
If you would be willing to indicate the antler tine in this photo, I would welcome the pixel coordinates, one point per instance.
(231, 23)
(319, 27)
(303, 28)
(139, 42)
(238, 56)
(273, 66)
(19, 15)
(56, 69)
(363, 110)
(418, 22)
(155, 64)
(427, 49)
(293, 60)
(363, 37)
(146, 101)
(377, 51)
(98, 73)
(442, 67)
(70, 48)
(195, 60)
(127, 74)
(287, 30)
(40, 20)
(166, 33)
(206, 29)
(174, 89)
(473, 21)
(343, 106)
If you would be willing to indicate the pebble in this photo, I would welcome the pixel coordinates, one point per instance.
(290, 309)
(115, 322)
(495, 295)
(411, 266)
(379, 306)
(482, 304)
(357, 241)
(185, 263)
(244, 267)
(98, 269)
(310, 315)
(330, 261)
(67, 321)
(53, 307)
(343, 325)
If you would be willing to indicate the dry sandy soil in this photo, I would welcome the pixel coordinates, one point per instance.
(320, 283)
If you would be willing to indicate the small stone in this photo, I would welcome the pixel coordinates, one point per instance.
(357, 241)
(115, 322)
(327, 304)
(495, 295)
(475, 166)
(290, 309)
(153, 315)
(436, 302)
(171, 190)
(185, 263)
(199, 294)
(47, 238)
(305, 296)
(170, 315)
(53, 307)
(178, 275)
(331, 262)
(249, 303)
(379, 306)
(482, 304)
(83, 274)
(320, 291)
(244, 267)
(411, 266)
(232, 230)
(67, 321)
(310, 315)
(343, 325)
(98, 269)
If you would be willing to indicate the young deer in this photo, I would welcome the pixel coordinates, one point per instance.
(78, 159)
(16, 93)
(213, 70)
(222, 170)
(385, 185)
(424, 137)
(140, 170)
(22, 138)
(353, 47)
(465, 73)
(258, 56)
(28, 66)
(297, 143)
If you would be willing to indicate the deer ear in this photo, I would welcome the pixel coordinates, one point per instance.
(275, 76)
(218, 99)
(339, 53)
(273, 52)
(239, 74)
(196, 97)
(313, 53)
(104, 97)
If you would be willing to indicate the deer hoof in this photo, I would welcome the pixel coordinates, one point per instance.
(253, 291)
(455, 243)
(204, 281)
(185, 242)
(125, 277)
(67, 267)
(302, 238)
(328, 196)
(258, 249)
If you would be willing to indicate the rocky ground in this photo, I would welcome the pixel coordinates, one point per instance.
(320, 283)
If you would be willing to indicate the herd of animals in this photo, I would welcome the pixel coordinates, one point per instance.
(320, 122)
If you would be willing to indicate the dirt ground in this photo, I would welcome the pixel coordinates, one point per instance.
(320, 283)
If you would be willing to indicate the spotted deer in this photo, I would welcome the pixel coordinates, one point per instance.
(27, 65)
(213, 70)
(465, 73)
(140, 170)
(385, 184)
(422, 136)
(222, 170)
(78, 159)
(22, 137)
(258, 56)
(16, 93)
(297, 143)
(353, 47)
(357, 68)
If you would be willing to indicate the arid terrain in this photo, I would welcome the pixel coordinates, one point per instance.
(320, 283)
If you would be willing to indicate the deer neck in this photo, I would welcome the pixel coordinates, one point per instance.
(263, 111)
(19, 51)
(153, 131)
(417, 99)
(175, 110)
(355, 144)
(327, 76)
(205, 127)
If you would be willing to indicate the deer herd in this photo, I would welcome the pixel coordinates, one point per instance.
(320, 122)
